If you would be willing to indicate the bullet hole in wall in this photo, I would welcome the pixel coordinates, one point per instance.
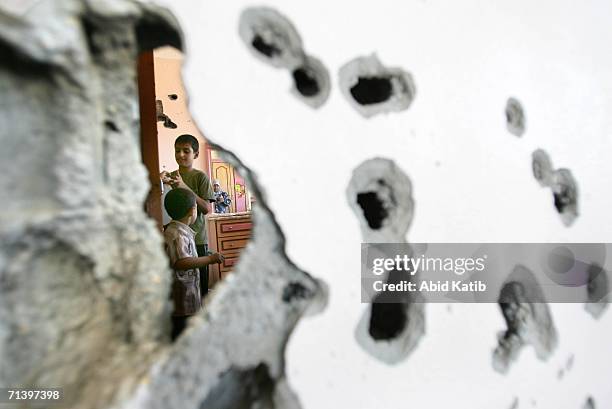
(542, 167)
(560, 181)
(598, 288)
(311, 82)
(387, 320)
(372, 90)
(272, 38)
(589, 404)
(169, 124)
(380, 196)
(161, 117)
(565, 192)
(515, 117)
(373, 209)
(269, 50)
(527, 318)
(305, 82)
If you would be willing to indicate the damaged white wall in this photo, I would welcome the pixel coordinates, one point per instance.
(471, 178)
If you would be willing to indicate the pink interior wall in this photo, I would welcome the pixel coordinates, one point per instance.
(168, 62)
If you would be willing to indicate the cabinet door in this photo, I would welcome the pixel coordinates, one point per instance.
(224, 173)
(240, 194)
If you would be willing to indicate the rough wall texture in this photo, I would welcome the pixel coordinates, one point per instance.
(83, 279)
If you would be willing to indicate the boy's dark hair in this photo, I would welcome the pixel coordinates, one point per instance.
(178, 202)
(190, 139)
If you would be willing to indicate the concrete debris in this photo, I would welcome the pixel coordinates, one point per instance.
(515, 117)
(528, 319)
(371, 88)
(272, 38)
(380, 195)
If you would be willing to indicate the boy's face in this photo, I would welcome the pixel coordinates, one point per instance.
(194, 214)
(184, 154)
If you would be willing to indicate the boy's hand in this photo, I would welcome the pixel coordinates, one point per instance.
(177, 181)
(165, 177)
(217, 258)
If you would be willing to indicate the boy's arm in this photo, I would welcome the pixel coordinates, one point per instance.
(203, 205)
(188, 263)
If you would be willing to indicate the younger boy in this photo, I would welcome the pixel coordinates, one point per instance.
(181, 248)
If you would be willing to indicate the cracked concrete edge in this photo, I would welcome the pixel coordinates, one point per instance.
(403, 85)
(275, 29)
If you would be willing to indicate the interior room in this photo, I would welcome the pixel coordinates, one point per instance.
(229, 225)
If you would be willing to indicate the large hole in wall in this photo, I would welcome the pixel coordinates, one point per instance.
(227, 227)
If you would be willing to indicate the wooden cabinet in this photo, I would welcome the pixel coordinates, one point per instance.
(228, 234)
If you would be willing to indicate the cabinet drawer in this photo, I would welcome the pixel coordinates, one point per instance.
(232, 227)
(233, 243)
(228, 264)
